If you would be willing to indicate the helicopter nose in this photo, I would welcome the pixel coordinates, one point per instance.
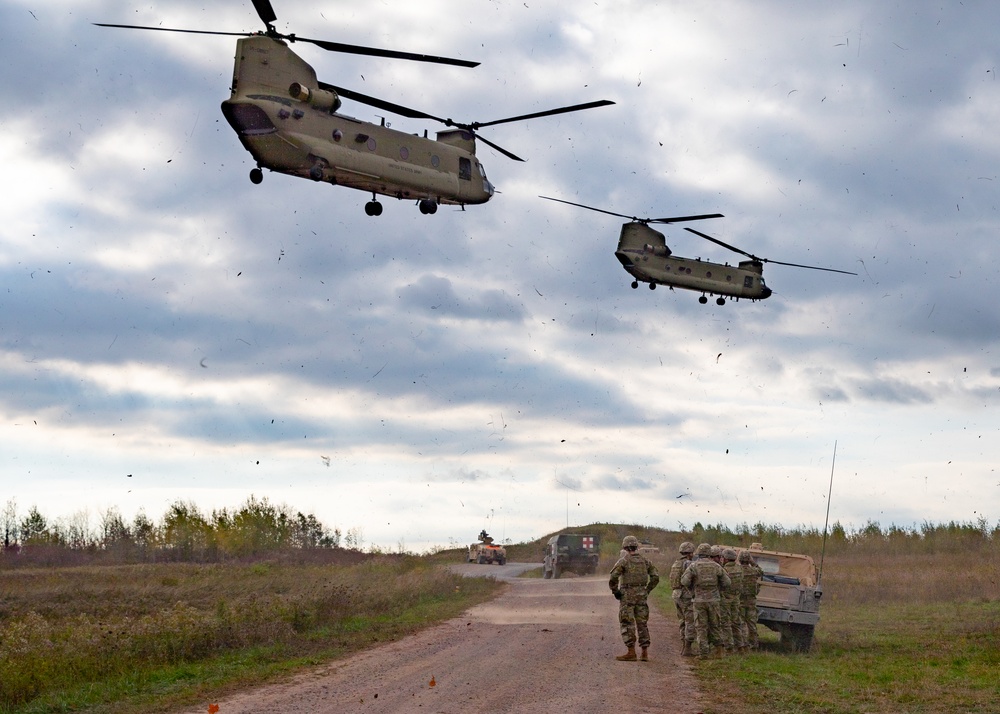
(765, 293)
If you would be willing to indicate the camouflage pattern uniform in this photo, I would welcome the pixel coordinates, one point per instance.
(706, 579)
(731, 614)
(632, 578)
(752, 575)
(682, 597)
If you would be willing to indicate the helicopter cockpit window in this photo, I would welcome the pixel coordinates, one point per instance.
(464, 169)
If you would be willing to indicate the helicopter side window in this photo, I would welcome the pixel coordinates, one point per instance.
(464, 169)
(748, 282)
(248, 120)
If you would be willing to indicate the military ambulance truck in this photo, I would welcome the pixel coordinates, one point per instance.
(571, 553)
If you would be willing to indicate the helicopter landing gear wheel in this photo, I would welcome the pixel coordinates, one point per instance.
(635, 284)
(703, 300)
(373, 208)
(428, 206)
(720, 301)
(316, 172)
(652, 286)
(256, 175)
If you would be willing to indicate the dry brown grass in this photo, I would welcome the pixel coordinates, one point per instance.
(870, 578)
(65, 633)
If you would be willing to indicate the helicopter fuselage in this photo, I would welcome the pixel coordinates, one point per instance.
(289, 123)
(644, 254)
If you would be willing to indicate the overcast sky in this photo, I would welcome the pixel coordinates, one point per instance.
(170, 331)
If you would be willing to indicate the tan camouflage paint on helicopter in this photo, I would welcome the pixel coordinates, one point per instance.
(288, 123)
(644, 254)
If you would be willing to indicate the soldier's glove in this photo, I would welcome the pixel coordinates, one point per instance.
(617, 594)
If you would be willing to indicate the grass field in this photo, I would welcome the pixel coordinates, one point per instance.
(147, 638)
(909, 624)
(898, 634)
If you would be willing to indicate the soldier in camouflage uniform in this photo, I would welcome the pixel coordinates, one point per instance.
(706, 579)
(682, 598)
(732, 615)
(632, 578)
(752, 575)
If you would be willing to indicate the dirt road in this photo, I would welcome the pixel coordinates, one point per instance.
(543, 646)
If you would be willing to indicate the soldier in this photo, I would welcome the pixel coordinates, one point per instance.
(731, 613)
(706, 579)
(632, 578)
(682, 598)
(752, 575)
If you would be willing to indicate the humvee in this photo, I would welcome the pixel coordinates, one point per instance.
(572, 553)
(486, 551)
(788, 601)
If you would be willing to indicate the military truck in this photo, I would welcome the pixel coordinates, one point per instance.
(571, 553)
(486, 551)
(788, 601)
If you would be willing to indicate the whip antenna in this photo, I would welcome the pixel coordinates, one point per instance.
(828, 496)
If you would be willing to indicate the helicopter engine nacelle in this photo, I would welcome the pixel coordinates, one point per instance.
(660, 250)
(320, 98)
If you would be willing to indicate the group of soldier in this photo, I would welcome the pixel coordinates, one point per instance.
(714, 591)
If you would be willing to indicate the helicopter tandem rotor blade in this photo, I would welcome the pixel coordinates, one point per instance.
(591, 208)
(546, 113)
(681, 219)
(375, 52)
(723, 244)
(265, 12)
(765, 260)
(381, 103)
(810, 267)
(174, 29)
(499, 148)
(674, 219)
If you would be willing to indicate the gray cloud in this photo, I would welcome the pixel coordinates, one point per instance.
(150, 291)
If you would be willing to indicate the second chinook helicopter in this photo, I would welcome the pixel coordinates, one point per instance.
(644, 254)
(287, 119)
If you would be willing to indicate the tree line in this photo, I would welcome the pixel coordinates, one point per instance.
(183, 533)
(925, 538)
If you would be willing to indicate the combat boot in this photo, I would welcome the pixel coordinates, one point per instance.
(628, 656)
(643, 655)
(686, 651)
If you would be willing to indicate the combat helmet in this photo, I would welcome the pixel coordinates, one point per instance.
(728, 554)
(744, 556)
(686, 548)
(715, 551)
(703, 551)
(630, 542)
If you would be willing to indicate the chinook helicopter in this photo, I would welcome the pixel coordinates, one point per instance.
(644, 254)
(287, 119)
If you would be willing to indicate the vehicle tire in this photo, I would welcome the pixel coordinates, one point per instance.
(800, 637)
(480, 560)
(794, 637)
(501, 561)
